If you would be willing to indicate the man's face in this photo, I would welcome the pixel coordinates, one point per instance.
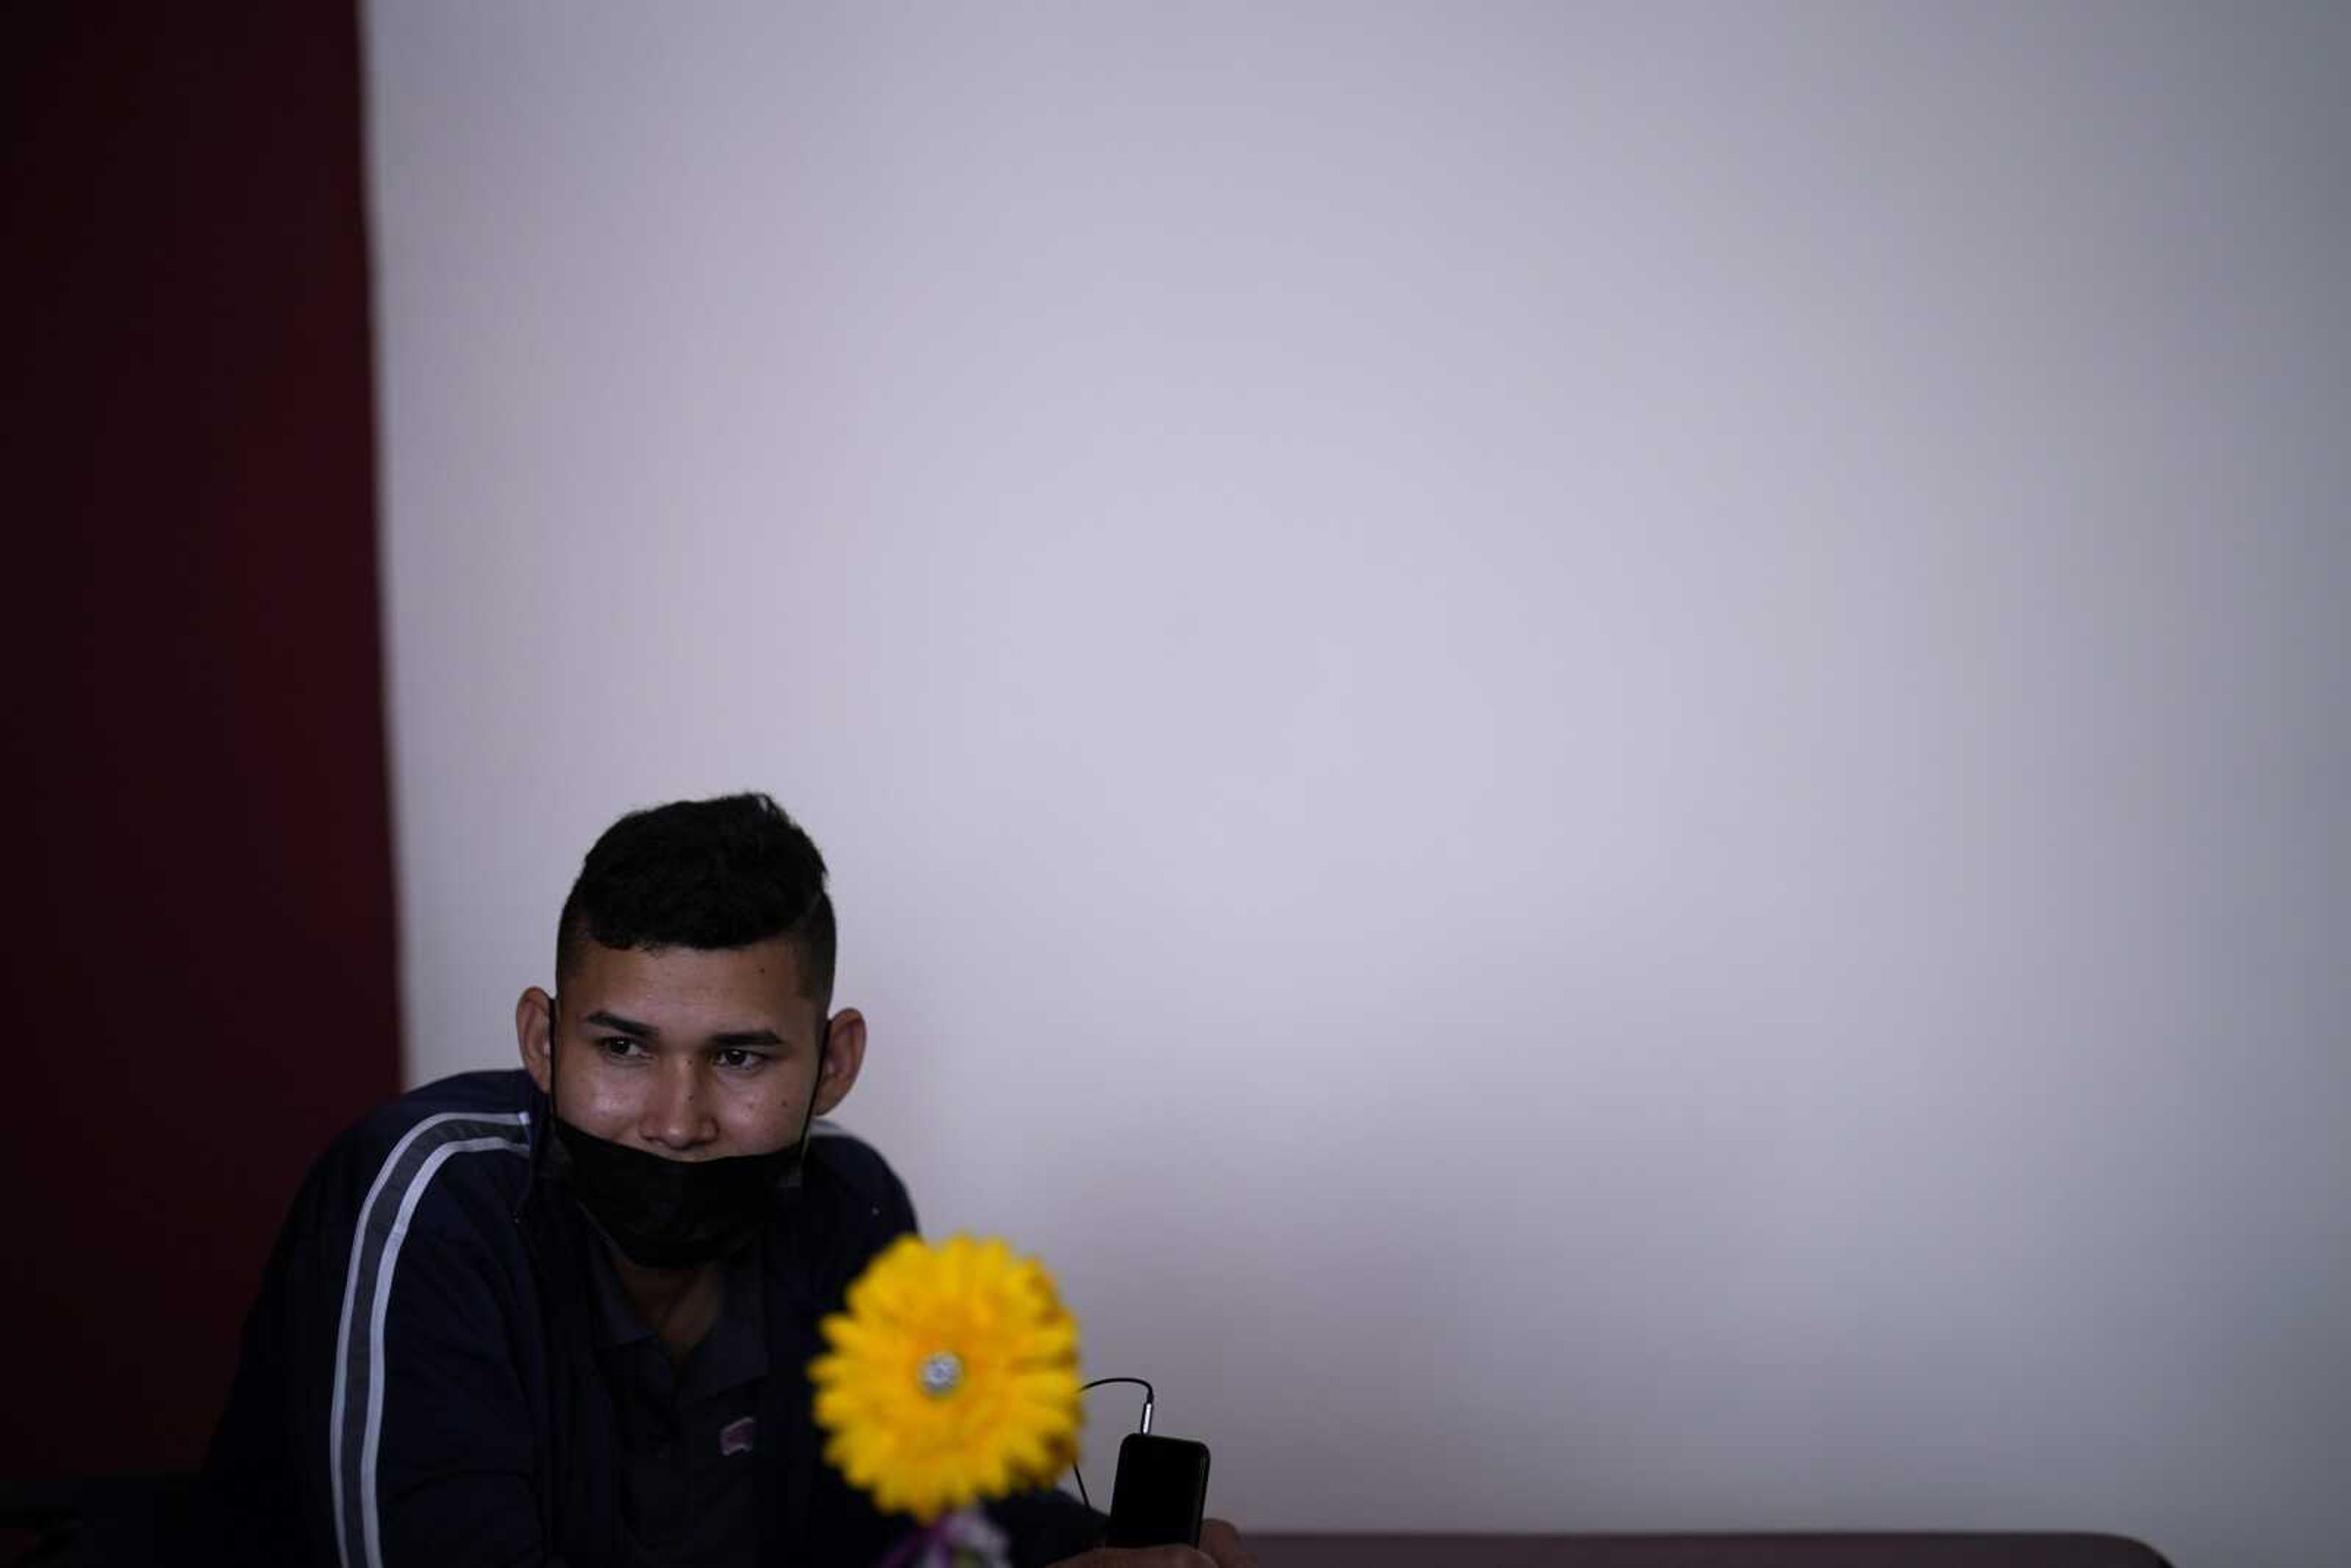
(686, 1052)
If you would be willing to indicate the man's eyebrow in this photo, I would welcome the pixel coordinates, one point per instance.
(725, 1040)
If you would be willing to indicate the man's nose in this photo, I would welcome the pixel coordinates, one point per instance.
(676, 1113)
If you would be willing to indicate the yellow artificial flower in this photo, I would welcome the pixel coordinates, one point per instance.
(952, 1377)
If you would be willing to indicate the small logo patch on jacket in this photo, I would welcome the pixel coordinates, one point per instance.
(735, 1438)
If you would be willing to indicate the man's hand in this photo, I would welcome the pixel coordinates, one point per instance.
(1220, 1547)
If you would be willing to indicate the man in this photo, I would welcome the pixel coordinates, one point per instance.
(563, 1315)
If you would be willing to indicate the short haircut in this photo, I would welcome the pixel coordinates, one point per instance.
(707, 874)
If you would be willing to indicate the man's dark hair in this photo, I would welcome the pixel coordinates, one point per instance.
(717, 873)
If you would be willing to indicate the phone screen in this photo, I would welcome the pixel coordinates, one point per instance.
(1161, 1492)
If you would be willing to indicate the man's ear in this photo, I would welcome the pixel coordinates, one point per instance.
(845, 1054)
(535, 1032)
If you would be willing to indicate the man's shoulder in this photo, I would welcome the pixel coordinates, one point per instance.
(857, 1172)
(469, 1105)
(406, 1145)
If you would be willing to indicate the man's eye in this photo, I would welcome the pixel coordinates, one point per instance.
(619, 1045)
(737, 1058)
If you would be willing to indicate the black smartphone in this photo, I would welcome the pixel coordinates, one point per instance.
(1161, 1492)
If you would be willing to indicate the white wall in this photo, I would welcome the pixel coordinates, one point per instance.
(1590, 751)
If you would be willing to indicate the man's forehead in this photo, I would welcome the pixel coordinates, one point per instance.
(763, 973)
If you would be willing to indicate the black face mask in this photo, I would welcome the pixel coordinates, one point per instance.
(675, 1214)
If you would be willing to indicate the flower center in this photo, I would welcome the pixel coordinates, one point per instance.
(942, 1374)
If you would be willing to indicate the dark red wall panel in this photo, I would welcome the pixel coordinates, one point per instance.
(200, 932)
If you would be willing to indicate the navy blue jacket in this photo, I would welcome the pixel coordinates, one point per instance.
(419, 1382)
